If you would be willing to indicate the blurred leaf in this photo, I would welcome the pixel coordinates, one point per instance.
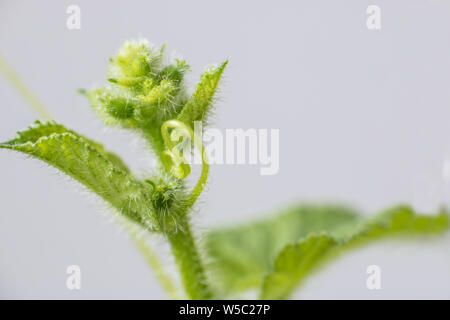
(89, 163)
(278, 253)
(242, 256)
(296, 261)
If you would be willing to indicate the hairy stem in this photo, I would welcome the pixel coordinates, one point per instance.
(189, 263)
(201, 182)
(182, 242)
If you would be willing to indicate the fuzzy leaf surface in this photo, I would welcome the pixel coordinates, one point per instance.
(199, 105)
(90, 164)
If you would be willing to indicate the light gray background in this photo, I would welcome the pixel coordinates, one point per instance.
(363, 118)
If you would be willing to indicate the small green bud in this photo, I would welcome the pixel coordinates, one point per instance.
(175, 72)
(134, 59)
(119, 107)
(167, 197)
(161, 94)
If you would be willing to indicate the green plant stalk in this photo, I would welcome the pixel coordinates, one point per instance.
(189, 263)
(182, 242)
(203, 175)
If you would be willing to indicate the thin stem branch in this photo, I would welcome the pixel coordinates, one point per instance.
(146, 250)
(26, 93)
(200, 183)
(176, 164)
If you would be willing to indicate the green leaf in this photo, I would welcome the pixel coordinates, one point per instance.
(199, 105)
(241, 256)
(89, 163)
(42, 129)
(296, 261)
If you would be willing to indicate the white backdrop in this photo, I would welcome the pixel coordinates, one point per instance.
(363, 118)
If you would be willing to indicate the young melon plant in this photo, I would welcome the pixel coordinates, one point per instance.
(273, 256)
